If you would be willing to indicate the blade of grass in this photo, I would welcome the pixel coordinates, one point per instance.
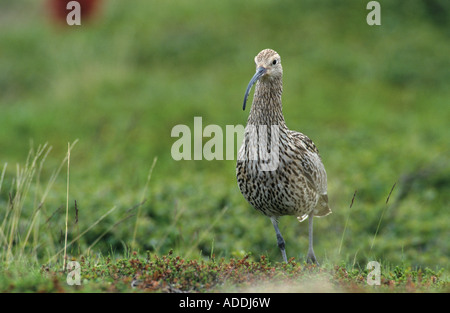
(3, 176)
(346, 222)
(144, 192)
(67, 207)
(55, 175)
(381, 217)
(2, 233)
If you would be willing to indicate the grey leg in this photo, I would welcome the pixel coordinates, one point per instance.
(280, 240)
(311, 258)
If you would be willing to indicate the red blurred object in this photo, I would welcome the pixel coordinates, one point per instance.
(59, 11)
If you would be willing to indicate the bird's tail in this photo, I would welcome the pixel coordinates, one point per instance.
(322, 208)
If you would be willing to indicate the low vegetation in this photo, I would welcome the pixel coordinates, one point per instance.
(174, 274)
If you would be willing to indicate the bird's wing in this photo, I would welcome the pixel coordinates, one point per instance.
(313, 170)
(311, 163)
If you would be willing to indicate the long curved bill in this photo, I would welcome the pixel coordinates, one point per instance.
(260, 71)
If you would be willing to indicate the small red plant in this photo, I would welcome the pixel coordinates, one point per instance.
(58, 9)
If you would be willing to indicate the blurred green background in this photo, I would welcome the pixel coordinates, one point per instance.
(374, 99)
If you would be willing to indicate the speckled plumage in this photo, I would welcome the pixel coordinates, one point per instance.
(298, 183)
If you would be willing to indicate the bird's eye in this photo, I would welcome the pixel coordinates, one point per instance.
(274, 62)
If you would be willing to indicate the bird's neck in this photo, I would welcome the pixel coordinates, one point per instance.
(266, 107)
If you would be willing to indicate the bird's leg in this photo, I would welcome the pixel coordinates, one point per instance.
(311, 258)
(280, 240)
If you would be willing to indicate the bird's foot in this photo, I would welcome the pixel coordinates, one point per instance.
(311, 258)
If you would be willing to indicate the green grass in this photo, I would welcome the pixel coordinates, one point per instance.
(373, 99)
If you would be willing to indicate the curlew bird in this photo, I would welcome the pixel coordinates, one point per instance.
(279, 171)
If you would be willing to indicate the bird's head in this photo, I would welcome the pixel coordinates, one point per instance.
(268, 66)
